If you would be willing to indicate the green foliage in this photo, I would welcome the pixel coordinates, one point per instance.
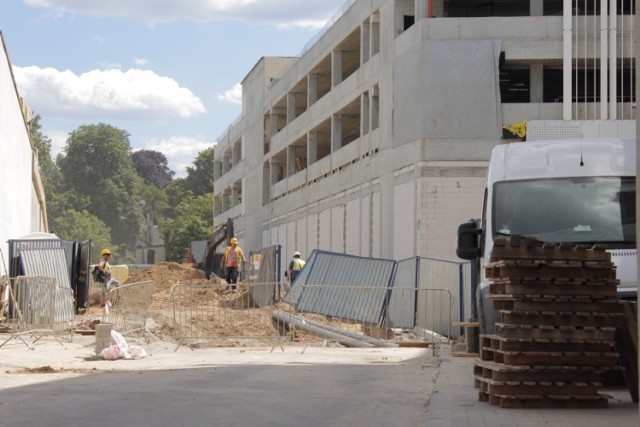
(191, 220)
(96, 166)
(199, 178)
(74, 225)
(153, 167)
(42, 144)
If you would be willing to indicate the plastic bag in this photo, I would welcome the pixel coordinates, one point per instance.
(119, 349)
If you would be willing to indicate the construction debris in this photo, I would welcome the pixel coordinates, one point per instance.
(559, 313)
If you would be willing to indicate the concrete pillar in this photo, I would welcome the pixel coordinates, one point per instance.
(235, 154)
(613, 60)
(225, 201)
(291, 161)
(536, 7)
(567, 59)
(217, 169)
(312, 89)
(365, 42)
(422, 9)
(336, 68)
(375, 34)
(336, 132)
(235, 196)
(217, 205)
(291, 107)
(374, 108)
(312, 147)
(275, 170)
(365, 115)
(604, 59)
(225, 163)
(273, 123)
(536, 84)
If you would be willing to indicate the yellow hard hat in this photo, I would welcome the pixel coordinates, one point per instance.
(105, 252)
(234, 241)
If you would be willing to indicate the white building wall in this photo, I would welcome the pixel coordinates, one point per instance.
(375, 227)
(324, 230)
(20, 210)
(337, 229)
(403, 220)
(445, 203)
(352, 227)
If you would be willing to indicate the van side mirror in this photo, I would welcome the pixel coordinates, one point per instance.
(469, 240)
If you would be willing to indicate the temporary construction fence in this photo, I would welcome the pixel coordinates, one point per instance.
(264, 267)
(129, 307)
(37, 308)
(384, 277)
(208, 313)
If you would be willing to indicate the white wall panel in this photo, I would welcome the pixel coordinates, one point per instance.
(403, 221)
(352, 243)
(337, 229)
(324, 235)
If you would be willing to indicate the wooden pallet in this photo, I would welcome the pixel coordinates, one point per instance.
(507, 330)
(549, 358)
(537, 289)
(536, 388)
(566, 318)
(526, 344)
(536, 402)
(497, 270)
(502, 372)
(550, 304)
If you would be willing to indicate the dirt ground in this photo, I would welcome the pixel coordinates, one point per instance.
(210, 314)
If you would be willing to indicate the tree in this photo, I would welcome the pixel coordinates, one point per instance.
(199, 178)
(191, 221)
(153, 167)
(42, 144)
(96, 165)
(74, 225)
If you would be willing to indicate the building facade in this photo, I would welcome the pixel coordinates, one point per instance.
(375, 140)
(22, 201)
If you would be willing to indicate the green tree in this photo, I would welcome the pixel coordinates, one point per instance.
(74, 225)
(199, 178)
(42, 144)
(153, 167)
(96, 165)
(191, 221)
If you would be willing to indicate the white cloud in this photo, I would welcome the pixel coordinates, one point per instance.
(112, 93)
(141, 61)
(181, 151)
(58, 141)
(232, 96)
(98, 39)
(282, 13)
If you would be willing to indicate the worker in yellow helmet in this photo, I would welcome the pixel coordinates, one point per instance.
(295, 267)
(108, 281)
(231, 261)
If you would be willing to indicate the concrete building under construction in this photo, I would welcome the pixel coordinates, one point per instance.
(376, 139)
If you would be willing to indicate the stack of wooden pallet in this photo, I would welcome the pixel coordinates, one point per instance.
(558, 316)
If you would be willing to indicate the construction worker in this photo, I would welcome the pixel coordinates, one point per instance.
(231, 261)
(295, 267)
(105, 269)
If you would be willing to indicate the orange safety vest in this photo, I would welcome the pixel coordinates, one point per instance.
(238, 252)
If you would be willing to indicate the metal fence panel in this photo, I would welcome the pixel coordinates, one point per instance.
(264, 269)
(209, 312)
(50, 262)
(441, 274)
(129, 306)
(362, 282)
(35, 307)
(402, 305)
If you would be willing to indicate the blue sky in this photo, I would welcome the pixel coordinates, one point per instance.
(164, 70)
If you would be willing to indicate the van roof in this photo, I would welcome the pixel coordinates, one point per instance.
(561, 158)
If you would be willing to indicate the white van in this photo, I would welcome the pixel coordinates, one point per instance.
(577, 191)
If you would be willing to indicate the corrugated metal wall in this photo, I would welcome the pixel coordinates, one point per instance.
(332, 281)
(46, 263)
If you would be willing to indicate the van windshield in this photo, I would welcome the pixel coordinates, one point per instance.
(577, 210)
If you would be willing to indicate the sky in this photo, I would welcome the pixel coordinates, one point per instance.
(166, 71)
